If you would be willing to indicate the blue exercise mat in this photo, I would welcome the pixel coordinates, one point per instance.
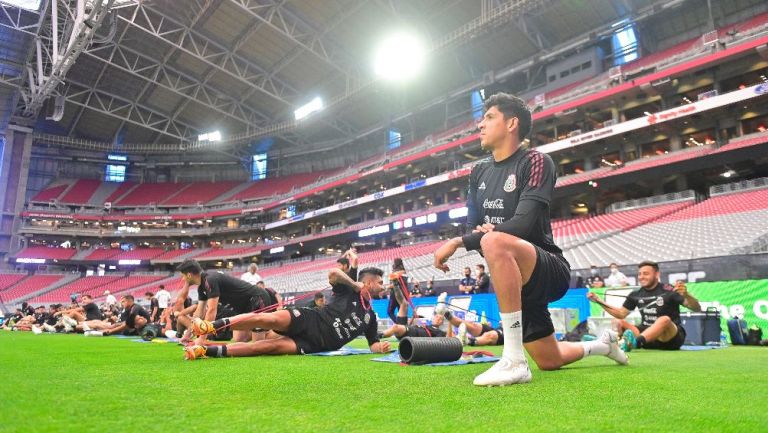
(344, 351)
(697, 348)
(394, 357)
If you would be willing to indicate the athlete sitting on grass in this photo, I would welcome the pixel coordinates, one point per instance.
(132, 320)
(660, 326)
(304, 330)
(470, 333)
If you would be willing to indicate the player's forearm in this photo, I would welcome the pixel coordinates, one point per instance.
(692, 303)
(521, 225)
(336, 276)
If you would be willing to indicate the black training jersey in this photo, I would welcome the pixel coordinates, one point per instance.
(129, 315)
(92, 312)
(228, 289)
(655, 303)
(348, 316)
(496, 189)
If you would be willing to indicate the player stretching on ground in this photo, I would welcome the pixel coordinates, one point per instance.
(401, 328)
(470, 333)
(508, 201)
(660, 326)
(306, 330)
(215, 288)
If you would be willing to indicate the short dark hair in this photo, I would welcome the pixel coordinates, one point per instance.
(467, 268)
(512, 106)
(191, 266)
(343, 261)
(654, 265)
(481, 266)
(149, 294)
(261, 282)
(372, 271)
(397, 264)
(129, 297)
(87, 296)
(162, 286)
(613, 264)
(319, 295)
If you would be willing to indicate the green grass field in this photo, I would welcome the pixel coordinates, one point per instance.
(63, 383)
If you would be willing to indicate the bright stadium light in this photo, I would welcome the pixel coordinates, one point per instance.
(211, 136)
(399, 57)
(30, 5)
(310, 107)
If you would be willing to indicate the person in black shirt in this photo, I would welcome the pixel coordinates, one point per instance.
(217, 291)
(508, 219)
(154, 307)
(430, 289)
(483, 283)
(467, 284)
(87, 311)
(595, 281)
(305, 330)
(348, 263)
(416, 290)
(401, 328)
(660, 326)
(132, 320)
(318, 302)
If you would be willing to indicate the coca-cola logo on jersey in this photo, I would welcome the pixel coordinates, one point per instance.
(493, 204)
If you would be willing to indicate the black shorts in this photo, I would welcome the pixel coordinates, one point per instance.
(257, 302)
(673, 344)
(486, 328)
(306, 330)
(423, 331)
(548, 283)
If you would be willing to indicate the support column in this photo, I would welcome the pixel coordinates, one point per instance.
(14, 174)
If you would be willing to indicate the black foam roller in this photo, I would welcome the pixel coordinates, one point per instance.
(426, 350)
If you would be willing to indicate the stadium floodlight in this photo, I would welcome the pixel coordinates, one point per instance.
(30, 5)
(310, 107)
(400, 56)
(211, 136)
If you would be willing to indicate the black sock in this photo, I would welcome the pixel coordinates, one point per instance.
(640, 341)
(471, 341)
(401, 320)
(217, 351)
(221, 323)
(448, 315)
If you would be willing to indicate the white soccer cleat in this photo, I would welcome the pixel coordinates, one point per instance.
(36, 330)
(441, 306)
(462, 334)
(49, 328)
(505, 372)
(611, 338)
(93, 333)
(85, 326)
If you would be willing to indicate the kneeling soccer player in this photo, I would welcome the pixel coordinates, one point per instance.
(508, 214)
(305, 330)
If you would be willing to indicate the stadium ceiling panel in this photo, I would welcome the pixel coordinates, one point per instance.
(169, 70)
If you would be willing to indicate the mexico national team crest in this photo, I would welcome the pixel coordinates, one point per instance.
(511, 183)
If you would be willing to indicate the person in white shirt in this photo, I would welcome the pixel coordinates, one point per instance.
(111, 300)
(163, 299)
(250, 275)
(616, 279)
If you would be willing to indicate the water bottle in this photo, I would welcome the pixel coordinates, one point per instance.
(723, 339)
